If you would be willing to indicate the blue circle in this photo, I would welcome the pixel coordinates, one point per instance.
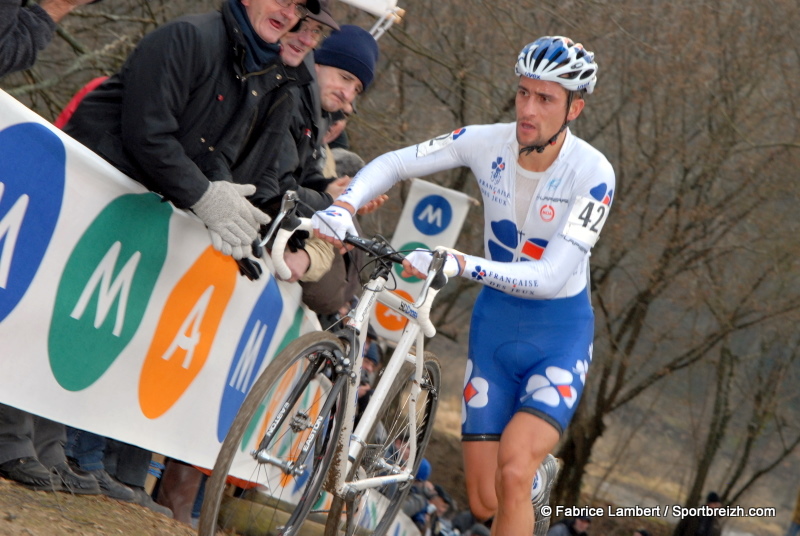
(432, 215)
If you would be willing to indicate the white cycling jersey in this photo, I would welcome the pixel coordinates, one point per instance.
(569, 207)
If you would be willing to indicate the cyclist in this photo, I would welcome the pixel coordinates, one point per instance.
(546, 195)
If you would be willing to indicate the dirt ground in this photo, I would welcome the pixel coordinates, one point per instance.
(24, 512)
(36, 513)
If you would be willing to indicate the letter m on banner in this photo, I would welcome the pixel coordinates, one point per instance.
(111, 289)
(10, 225)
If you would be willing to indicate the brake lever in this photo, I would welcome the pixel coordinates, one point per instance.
(288, 204)
(435, 269)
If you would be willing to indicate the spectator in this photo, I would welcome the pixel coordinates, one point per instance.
(575, 527)
(32, 454)
(415, 505)
(702, 525)
(371, 366)
(152, 120)
(343, 67)
(26, 30)
(466, 523)
(336, 137)
(343, 281)
(441, 523)
(189, 115)
(178, 489)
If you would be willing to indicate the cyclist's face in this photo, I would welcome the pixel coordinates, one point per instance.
(541, 110)
(269, 19)
(295, 45)
(337, 88)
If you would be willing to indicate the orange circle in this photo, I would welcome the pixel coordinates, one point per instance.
(389, 319)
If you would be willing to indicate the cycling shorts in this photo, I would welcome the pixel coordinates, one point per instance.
(525, 355)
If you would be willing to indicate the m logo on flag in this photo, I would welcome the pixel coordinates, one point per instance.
(432, 215)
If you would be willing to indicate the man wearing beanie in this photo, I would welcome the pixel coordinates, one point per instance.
(344, 67)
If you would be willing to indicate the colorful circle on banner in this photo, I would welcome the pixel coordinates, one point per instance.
(32, 179)
(432, 215)
(389, 319)
(405, 249)
(105, 288)
(186, 331)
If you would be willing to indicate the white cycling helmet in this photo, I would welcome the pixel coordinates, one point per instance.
(558, 59)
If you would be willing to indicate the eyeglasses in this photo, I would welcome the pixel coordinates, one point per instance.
(316, 32)
(301, 10)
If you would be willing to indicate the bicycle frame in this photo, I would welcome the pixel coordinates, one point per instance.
(351, 443)
(374, 292)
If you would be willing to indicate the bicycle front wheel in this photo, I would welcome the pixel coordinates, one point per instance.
(387, 448)
(273, 461)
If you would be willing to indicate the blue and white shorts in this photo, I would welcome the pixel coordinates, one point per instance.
(525, 355)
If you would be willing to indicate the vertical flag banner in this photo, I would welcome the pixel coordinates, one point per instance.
(432, 216)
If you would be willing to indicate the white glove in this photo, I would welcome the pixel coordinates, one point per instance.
(421, 259)
(232, 221)
(334, 221)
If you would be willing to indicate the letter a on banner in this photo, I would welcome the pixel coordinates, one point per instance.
(432, 216)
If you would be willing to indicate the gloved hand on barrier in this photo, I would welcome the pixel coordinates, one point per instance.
(418, 263)
(232, 221)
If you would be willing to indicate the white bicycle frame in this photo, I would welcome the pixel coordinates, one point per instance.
(412, 334)
(417, 328)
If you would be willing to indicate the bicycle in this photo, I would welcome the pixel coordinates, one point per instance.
(293, 436)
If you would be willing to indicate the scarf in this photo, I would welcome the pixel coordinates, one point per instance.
(259, 52)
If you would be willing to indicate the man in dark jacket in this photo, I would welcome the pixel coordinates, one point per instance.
(25, 30)
(187, 114)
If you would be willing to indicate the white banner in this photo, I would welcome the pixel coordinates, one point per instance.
(432, 216)
(116, 314)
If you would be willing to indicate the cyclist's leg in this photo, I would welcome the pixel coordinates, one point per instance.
(524, 444)
(558, 338)
(480, 468)
(488, 401)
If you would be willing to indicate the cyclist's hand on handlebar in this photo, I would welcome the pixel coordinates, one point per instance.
(418, 263)
(333, 224)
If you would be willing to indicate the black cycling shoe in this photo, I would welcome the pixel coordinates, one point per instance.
(78, 482)
(29, 472)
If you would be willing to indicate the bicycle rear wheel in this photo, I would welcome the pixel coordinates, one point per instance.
(387, 449)
(263, 481)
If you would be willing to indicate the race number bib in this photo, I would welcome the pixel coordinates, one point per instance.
(585, 220)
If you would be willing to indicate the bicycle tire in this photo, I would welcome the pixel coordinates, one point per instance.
(294, 376)
(390, 416)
